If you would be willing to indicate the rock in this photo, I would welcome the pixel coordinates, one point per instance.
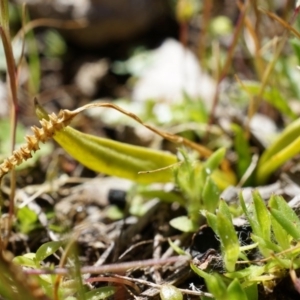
(263, 128)
(174, 70)
(108, 20)
(89, 76)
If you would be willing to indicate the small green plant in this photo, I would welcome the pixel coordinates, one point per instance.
(200, 190)
(104, 155)
(242, 270)
(275, 235)
(67, 287)
(285, 147)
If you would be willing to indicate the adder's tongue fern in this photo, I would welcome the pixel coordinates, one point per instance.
(105, 155)
(47, 130)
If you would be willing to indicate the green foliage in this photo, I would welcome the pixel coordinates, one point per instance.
(189, 110)
(27, 219)
(55, 44)
(228, 239)
(33, 64)
(286, 146)
(47, 249)
(285, 216)
(176, 248)
(69, 288)
(242, 149)
(235, 291)
(100, 293)
(275, 232)
(221, 223)
(201, 192)
(275, 228)
(219, 287)
(114, 158)
(13, 285)
(271, 95)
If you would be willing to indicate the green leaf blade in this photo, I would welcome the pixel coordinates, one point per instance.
(229, 241)
(115, 158)
(262, 215)
(100, 293)
(214, 161)
(288, 225)
(210, 195)
(235, 291)
(285, 216)
(47, 249)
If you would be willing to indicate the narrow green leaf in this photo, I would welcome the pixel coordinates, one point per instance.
(247, 274)
(216, 286)
(292, 228)
(212, 221)
(235, 291)
(278, 202)
(47, 249)
(27, 219)
(264, 170)
(176, 248)
(278, 262)
(295, 43)
(229, 241)
(100, 293)
(25, 261)
(281, 236)
(262, 215)
(33, 63)
(273, 96)
(200, 272)
(251, 291)
(214, 283)
(284, 147)
(114, 158)
(266, 247)
(210, 195)
(254, 224)
(214, 161)
(274, 202)
(224, 209)
(242, 148)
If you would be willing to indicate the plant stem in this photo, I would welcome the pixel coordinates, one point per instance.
(228, 63)
(11, 79)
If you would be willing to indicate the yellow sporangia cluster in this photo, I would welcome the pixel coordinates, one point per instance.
(47, 130)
